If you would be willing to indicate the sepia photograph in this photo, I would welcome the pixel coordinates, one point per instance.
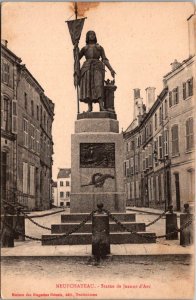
(98, 150)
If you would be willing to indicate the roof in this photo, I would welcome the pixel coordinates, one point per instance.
(64, 173)
(11, 53)
(180, 65)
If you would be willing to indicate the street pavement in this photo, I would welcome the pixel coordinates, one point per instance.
(151, 271)
(34, 248)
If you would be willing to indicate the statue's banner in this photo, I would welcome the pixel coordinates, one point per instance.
(75, 29)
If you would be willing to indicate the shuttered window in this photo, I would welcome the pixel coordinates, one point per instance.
(166, 142)
(32, 181)
(190, 87)
(189, 134)
(170, 99)
(175, 140)
(25, 132)
(175, 96)
(25, 178)
(14, 116)
(184, 90)
(5, 73)
(160, 147)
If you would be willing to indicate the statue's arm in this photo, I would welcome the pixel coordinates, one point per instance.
(81, 53)
(106, 62)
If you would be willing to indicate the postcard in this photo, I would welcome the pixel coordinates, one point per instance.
(97, 150)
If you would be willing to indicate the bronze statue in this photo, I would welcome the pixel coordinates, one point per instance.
(92, 73)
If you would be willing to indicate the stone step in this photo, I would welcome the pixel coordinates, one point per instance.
(79, 217)
(65, 227)
(86, 238)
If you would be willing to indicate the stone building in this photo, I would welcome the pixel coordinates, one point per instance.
(31, 115)
(159, 143)
(63, 187)
(9, 64)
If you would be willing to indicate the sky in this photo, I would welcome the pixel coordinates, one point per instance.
(141, 40)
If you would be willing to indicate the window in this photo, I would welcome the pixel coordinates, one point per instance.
(150, 129)
(128, 191)
(170, 99)
(189, 134)
(144, 160)
(184, 90)
(61, 194)
(136, 163)
(175, 141)
(166, 112)
(160, 147)
(25, 178)
(150, 155)
(155, 121)
(175, 96)
(132, 145)
(14, 116)
(41, 114)
(32, 139)
(48, 149)
(61, 183)
(131, 166)
(25, 132)
(37, 136)
(32, 181)
(146, 157)
(61, 203)
(32, 108)
(190, 87)
(126, 167)
(5, 114)
(67, 194)
(25, 101)
(67, 183)
(37, 112)
(160, 114)
(5, 73)
(165, 142)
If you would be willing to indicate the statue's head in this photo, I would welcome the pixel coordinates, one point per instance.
(91, 37)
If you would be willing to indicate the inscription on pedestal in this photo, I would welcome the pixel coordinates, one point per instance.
(97, 155)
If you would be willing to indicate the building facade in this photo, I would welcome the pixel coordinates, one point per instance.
(63, 188)
(27, 117)
(159, 144)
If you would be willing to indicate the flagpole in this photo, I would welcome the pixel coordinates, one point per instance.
(75, 29)
(78, 101)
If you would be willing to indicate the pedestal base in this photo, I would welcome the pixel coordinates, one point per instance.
(97, 166)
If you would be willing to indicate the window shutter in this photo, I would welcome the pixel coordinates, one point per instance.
(14, 116)
(177, 95)
(190, 87)
(170, 99)
(32, 180)
(184, 90)
(25, 177)
(2, 111)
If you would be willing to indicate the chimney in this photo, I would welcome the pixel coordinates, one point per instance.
(192, 34)
(136, 93)
(138, 104)
(4, 42)
(150, 97)
(175, 64)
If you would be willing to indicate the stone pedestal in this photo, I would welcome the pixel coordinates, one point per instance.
(97, 164)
